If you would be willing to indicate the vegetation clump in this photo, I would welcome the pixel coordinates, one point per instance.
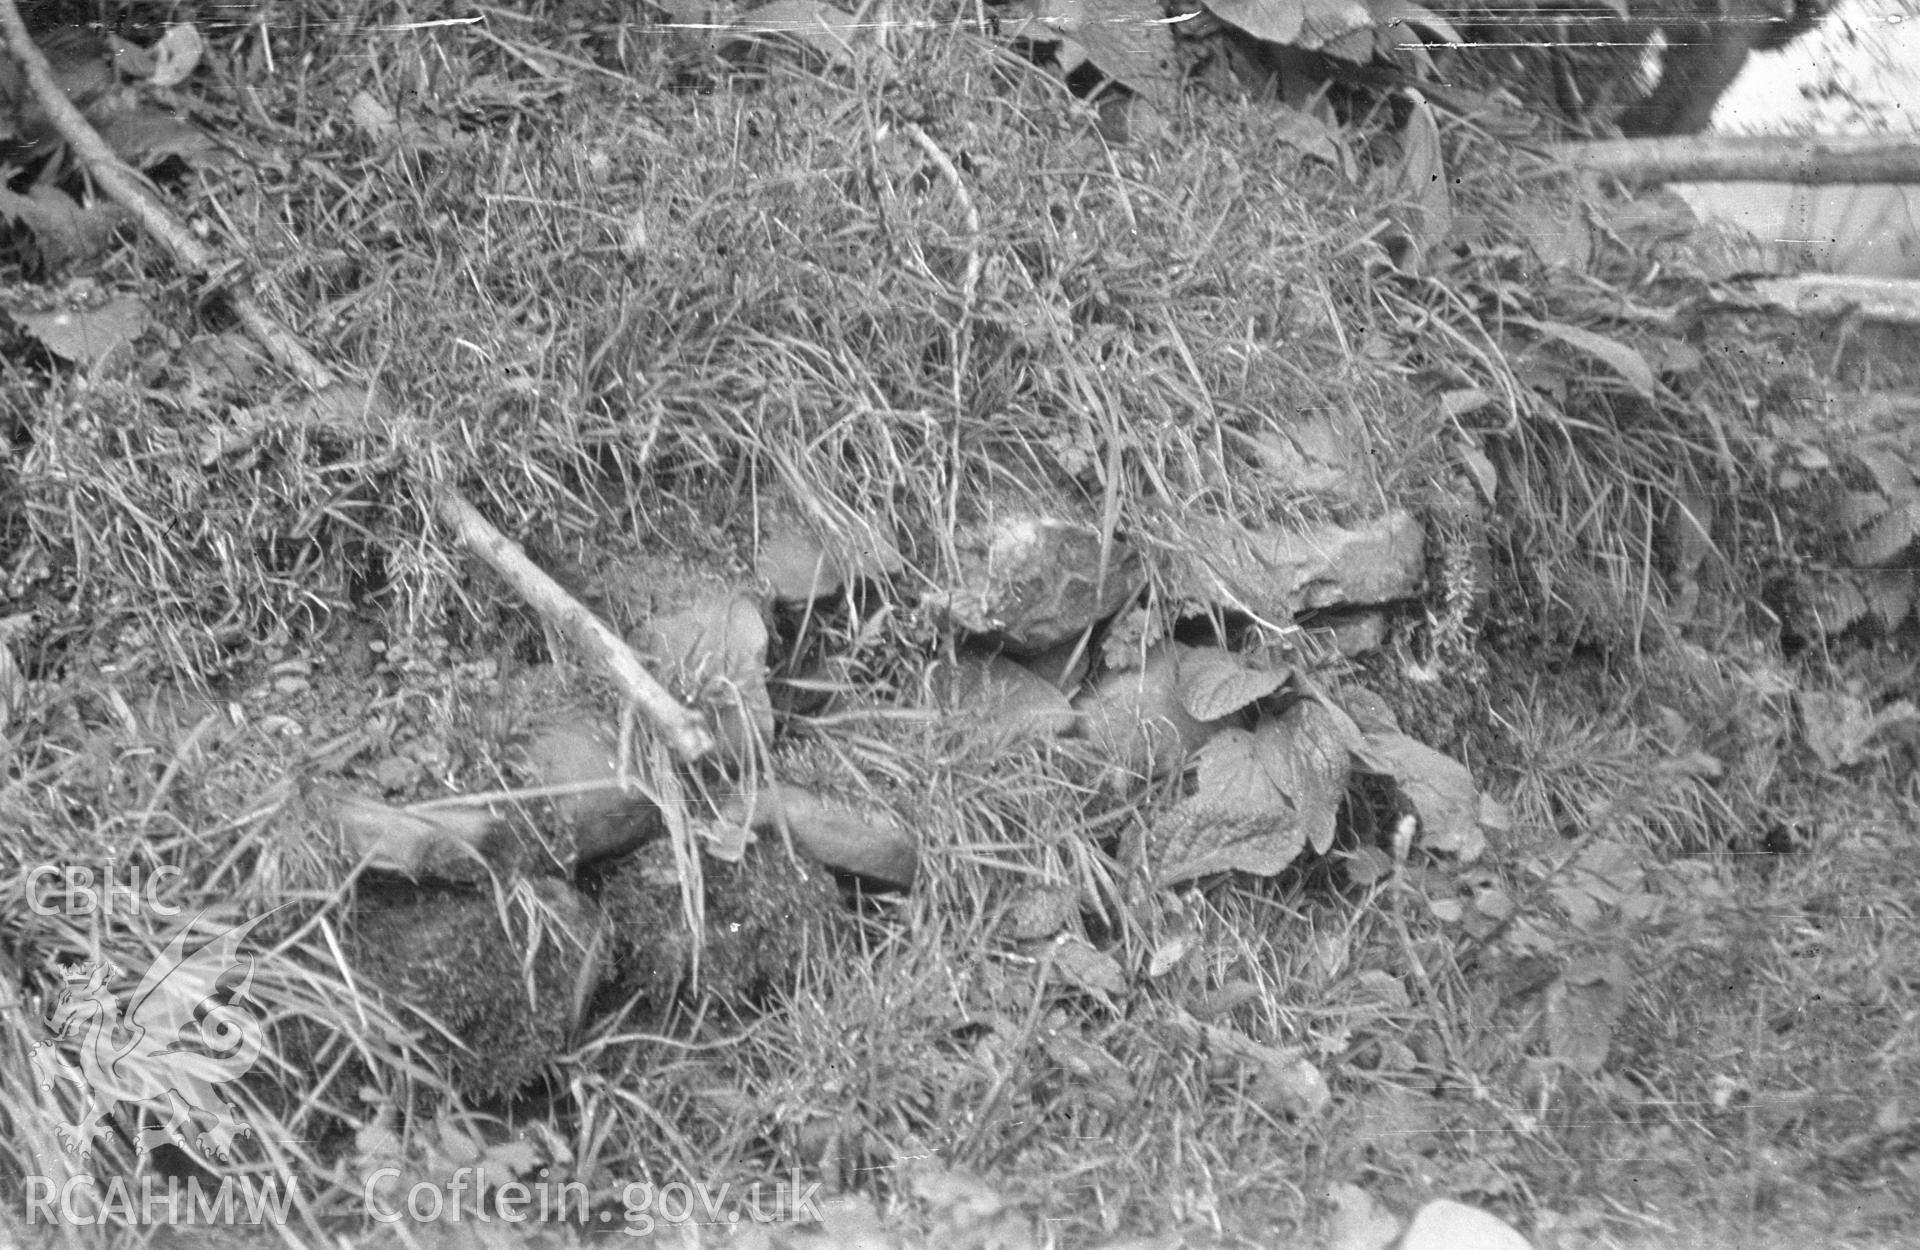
(1273, 663)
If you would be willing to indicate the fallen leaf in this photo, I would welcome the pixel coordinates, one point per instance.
(1389, 15)
(371, 116)
(1582, 1008)
(1128, 40)
(1170, 951)
(821, 27)
(1477, 464)
(954, 1196)
(795, 564)
(176, 55)
(88, 336)
(1449, 1225)
(1438, 786)
(1419, 187)
(1040, 911)
(847, 1222)
(1284, 1081)
(1309, 135)
(147, 136)
(1359, 1220)
(1004, 696)
(1886, 539)
(1276, 21)
(1623, 360)
(1841, 727)
(60, 230)
(1092, 970)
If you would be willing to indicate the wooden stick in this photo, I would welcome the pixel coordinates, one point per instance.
(1895, 300)
(685, 729)
(1808, 159)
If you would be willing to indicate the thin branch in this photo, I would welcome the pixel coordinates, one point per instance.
(1806, 159)
(685, 730)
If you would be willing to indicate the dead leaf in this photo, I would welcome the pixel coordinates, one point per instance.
(1276, 21)
(1394, 17)
(371, 116)
(1284, 1081)
(1480, 467)
(1083, 967)
(1854, 509)
(1556, 234)
(1841, 727)
(1887, 538)
(1357, 45)
(1495, 818)
(1826, 603)
(1439, 787)
(1311, 136)
(1582, 1008)
(795, 564)
(1041, 911)
(88, 336)
(1003, 697)
(1315, 453)
(1419, 187)
(1127, 39)
(1623, 360)
(821, 27)
(1449, 1225)
(1891, 593)
(176, 56)
(954, 1196)
(60, 230)
(847, 1222)
(145, 137)
(1359, 1220)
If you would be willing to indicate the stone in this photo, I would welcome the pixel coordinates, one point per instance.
(1031, 582)
(1277, 574)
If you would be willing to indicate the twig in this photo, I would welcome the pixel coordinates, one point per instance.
(1808, 159)
(685, 729)
(970, 280)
